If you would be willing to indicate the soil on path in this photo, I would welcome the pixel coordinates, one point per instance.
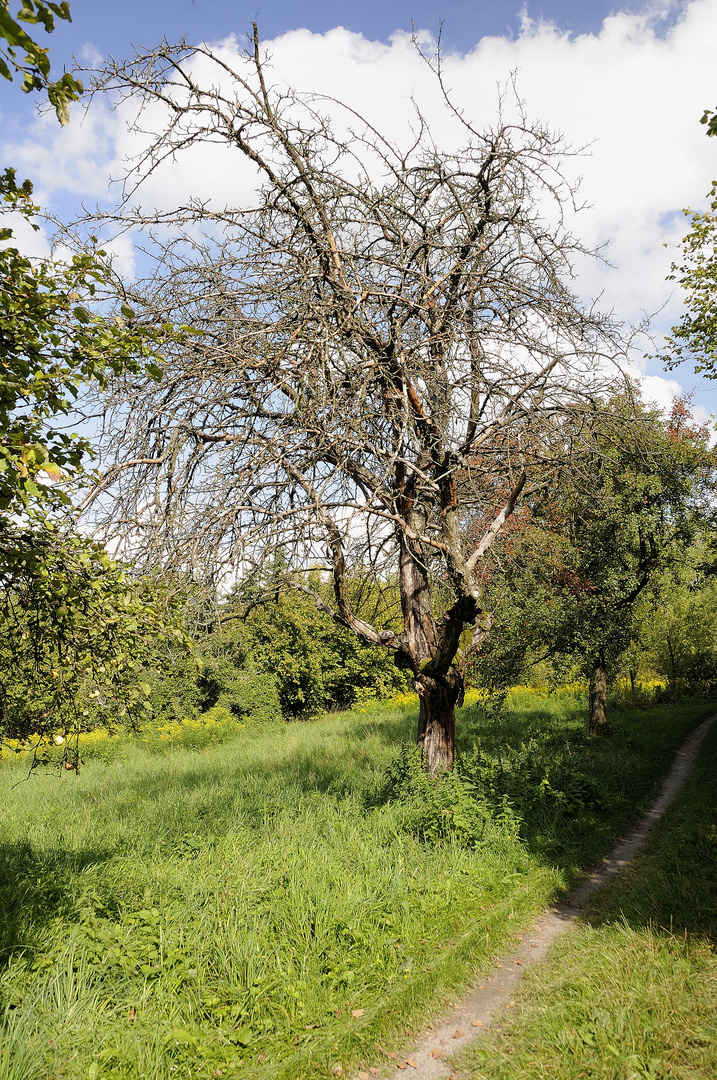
(475, 1012)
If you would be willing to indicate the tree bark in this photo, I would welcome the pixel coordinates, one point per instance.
(438, 697)
(598, 693)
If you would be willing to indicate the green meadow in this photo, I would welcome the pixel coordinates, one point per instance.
(282, 900)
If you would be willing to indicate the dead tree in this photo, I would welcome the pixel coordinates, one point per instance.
(384, 345)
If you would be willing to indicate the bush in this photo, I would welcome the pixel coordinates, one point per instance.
(447, 807)
(531, 777)
(318, 665)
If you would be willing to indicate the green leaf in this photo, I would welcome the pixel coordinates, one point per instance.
(62, 110)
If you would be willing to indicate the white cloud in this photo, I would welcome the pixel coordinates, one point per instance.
(634, 96)
(660, 392)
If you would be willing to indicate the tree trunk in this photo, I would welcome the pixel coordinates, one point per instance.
(673, 666)
(437, 719)
(598, 693)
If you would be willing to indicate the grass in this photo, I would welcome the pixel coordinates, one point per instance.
(268, 906)
(631, 993)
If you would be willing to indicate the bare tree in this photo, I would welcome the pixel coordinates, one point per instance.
(384, 346)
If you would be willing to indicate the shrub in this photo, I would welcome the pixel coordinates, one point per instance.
(445, 808)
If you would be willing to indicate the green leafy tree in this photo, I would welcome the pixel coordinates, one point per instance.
(51, 346)
(77, 634)
(23, 56)
(710, 119)
(580, 561)
(318, 664)
(694, 338)
(75, 630)
(674, 626)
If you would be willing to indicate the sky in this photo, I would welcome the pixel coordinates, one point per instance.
(627, 81)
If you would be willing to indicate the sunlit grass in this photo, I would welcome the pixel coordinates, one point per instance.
(262, 907)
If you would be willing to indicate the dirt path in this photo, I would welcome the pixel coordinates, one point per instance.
(492, 994)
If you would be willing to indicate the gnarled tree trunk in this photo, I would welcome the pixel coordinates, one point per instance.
(438, 697)
(597, 708)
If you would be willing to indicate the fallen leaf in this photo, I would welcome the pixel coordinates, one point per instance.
(481, 987)
(412, 1063)
(410, 1034)
(337, 1014)
(312, 1027)
(533, 945)
(477, 1023)
(510, 1005)
(132, 1014)
(362, 1075)
(400, 1065)
(357, 1012)
(262, 1056)
(337, 1070)
(436, 1053)
(459, 1034)
(518, 962)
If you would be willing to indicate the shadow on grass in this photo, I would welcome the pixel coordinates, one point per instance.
(672, 886)
(37, 887)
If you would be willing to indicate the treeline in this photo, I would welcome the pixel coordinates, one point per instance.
(279, 659)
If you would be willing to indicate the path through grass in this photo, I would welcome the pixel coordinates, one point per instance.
(631, 993)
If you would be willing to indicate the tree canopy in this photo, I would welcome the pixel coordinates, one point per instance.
(76, 630)
(694, 338)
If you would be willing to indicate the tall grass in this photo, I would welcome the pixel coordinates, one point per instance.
(276, 905)
(632, 993)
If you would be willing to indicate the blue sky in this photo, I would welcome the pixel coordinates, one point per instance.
(114, 25)
(629, 79)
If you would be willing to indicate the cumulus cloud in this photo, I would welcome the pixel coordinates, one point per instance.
(633, 95)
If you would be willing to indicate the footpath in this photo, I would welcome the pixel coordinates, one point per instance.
(491, 995)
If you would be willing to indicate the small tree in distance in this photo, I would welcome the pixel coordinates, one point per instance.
(386, 345)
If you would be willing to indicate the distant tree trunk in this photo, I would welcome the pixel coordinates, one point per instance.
(598, 693)
(438, 698)
(673, 665)
(632, 686)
